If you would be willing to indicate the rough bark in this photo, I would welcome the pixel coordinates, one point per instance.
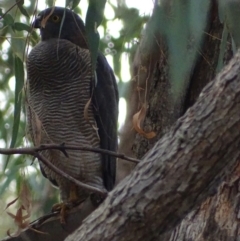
(152, 70)
(159, 117)
(148, 55)
(216, 219)
(162, 113)
(184, 167)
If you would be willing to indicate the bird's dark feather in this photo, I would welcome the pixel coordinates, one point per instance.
(53, 181)
(105, 101)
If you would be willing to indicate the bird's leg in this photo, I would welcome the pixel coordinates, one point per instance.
(71, 202)
(63, 212)
(73, 197)
(62, 208)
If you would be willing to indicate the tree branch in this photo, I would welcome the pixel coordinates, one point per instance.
(179, 172)
(63, 148)
(34, 151)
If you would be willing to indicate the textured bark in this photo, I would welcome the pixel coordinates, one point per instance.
(148, 55)
(185, 166)
(216, 219)
(161, 112)
(159, 117)
(156, 91)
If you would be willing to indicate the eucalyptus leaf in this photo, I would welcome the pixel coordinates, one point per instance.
(23, 11)
(223, 47)
(18, 46)
(93, 19)
(8, 19)
(19, 82)
(72, 3)
(232, 13)
(11, 174)
(21, 26)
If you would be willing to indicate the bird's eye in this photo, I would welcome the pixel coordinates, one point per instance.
(55, 18)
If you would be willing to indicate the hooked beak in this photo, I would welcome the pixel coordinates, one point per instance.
(37, 22)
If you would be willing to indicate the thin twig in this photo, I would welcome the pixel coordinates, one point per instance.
(34, 151)
(62, 147)
(15, 4)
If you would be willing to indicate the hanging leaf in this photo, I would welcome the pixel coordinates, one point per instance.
(232, 13)
(21, 8)
(93, 20)
(18, 47)
(21, 26)
(137, 119)
(11, 203)
(8, 19)
(19, 82)
(222, 49)
(21, 218)
(24, 11)
(72, 3)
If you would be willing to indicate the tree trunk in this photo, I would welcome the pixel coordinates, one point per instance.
(183, 168)
(215, 219)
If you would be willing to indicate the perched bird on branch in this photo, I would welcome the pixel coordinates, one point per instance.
(68, 103)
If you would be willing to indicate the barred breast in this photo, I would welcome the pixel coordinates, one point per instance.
(58, 89)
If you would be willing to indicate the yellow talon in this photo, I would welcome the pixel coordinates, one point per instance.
(72, 201)
(62, 208)
(73, 194)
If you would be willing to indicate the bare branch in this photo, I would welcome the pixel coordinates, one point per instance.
(34, 151)
(63, 147)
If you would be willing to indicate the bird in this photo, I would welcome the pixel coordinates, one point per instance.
(68, 103)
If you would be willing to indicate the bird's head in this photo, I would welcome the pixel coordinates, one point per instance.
(57, 22)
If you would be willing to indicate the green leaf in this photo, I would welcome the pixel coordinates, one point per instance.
(223, 47)
(232, 13)
(72, 3)
(8, 19)
(19, 82)
(50, 2)
(11, 174)
(93, 19)
(19, 2)
(21, 8)
(24, 11)
(21, 26)
(18, 46)
(95, 12)
(10, 177)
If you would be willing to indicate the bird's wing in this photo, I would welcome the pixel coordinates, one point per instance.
(105, 102)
